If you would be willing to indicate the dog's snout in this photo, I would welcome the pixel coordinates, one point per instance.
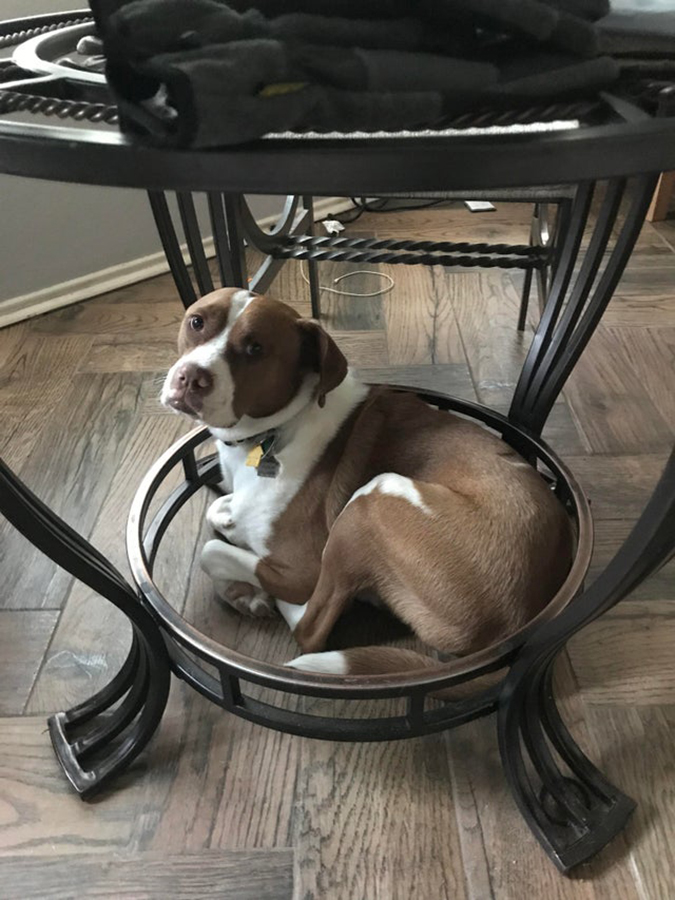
(189, 385)
(193, 378)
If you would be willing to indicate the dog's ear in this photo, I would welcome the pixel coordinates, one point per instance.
(322, 355)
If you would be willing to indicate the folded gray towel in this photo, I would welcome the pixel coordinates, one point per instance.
(647, 33)
(208, 72)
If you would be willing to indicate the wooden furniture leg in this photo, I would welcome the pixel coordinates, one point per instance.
(660, 204)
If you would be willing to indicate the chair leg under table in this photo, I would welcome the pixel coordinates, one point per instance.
(312, 270)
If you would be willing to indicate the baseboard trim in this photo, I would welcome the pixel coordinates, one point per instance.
(84, 287)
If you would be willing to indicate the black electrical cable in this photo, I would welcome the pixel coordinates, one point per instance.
(362, 206)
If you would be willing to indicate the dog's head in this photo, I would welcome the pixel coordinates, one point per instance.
(246, 362)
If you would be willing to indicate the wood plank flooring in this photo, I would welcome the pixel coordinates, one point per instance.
(218, 807)
(252, 875)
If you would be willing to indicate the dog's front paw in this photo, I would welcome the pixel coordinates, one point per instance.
(246, 598)
(219, 516)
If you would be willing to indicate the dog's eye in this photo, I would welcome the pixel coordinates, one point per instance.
(253, 349)
(196, 323)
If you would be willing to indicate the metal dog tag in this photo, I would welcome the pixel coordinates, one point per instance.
(268, 467)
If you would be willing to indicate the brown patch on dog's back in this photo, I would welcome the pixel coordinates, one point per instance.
(493, 551)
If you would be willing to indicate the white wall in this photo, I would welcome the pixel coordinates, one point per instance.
(52, 233)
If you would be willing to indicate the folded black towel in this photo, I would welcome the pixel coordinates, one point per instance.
(646, 33)
(208, 72)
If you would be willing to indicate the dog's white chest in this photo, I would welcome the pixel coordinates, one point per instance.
(254, 503)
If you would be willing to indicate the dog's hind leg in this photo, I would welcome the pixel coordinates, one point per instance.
(389, 541)
(331, 597)
(344, 573)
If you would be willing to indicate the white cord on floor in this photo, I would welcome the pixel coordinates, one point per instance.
(332, 290)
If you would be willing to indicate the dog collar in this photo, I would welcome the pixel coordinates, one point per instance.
(261, 454)
(253, 439)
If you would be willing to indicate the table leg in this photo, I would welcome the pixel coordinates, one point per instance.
(575, 304)
(569, 805)
(233, 228)
(172, 248)
(93, 741)
(235, 236)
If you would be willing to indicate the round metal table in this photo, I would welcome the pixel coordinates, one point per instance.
(624, 140)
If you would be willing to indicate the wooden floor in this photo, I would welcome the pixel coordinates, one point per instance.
(217, 807)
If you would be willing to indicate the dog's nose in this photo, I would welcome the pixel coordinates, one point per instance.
(189, 385)
(194, 379)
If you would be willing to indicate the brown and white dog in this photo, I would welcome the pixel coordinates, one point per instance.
(372, 495)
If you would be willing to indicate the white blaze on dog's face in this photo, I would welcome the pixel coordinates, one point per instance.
(247, 361)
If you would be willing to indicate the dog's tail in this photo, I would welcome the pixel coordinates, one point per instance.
(380, 660)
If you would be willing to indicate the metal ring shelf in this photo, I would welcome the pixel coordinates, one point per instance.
(187, 646)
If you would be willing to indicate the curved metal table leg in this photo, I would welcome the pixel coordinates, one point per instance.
(575, 304)
(233, 227)
(569, 805)
(99, 738)
(172, 249)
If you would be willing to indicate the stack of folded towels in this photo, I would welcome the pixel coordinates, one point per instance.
(204, 73)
